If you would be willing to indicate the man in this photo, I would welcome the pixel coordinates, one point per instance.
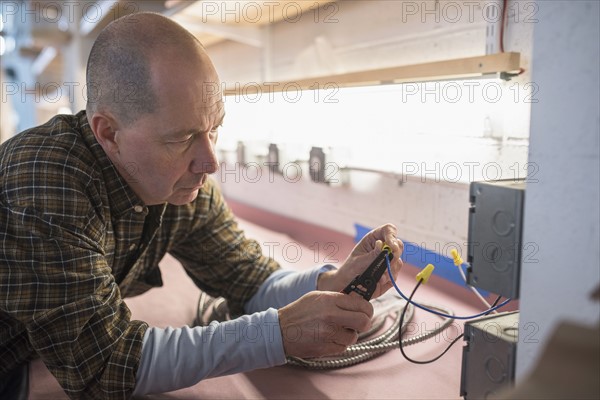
(91, 203)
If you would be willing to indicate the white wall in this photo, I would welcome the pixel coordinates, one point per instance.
(429, 214)
(378, 128)
(561, 211)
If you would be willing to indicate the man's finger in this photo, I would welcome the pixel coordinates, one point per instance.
(345, 337)
(354, 303)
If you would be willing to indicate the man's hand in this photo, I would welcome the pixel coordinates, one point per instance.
(322, 324)
(362, 255)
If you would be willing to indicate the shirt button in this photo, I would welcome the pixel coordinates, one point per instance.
(132, 247)
(138, 209)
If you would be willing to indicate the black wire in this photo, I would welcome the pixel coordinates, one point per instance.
(494, 304)
(400, 333)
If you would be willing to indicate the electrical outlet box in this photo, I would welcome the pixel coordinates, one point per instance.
(495, 236)
(273, 158)
(316, 165)
(241, 156)
(489, 355)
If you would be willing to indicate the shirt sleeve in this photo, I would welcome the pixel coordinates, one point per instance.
(56, 285)
(217, 255)
(176, 358)
(284, 287)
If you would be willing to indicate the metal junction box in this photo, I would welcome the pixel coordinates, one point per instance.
(489, 355)
(495, 236)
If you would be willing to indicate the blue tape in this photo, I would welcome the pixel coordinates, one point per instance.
(420, 257)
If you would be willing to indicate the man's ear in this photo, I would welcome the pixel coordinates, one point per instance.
(105, 127)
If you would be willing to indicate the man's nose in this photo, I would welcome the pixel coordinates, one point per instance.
(205, 158)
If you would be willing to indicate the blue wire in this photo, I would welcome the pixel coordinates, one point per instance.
(389, 269)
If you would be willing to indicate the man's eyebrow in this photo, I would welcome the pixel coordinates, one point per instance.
(220, 120)
(181, 133)
(192, 131)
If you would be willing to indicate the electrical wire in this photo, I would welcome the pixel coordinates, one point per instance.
(216, 308)
(503, 21)
(366, 350)
(441, 314)
(210, 308)
(359, 352)
(401, 347)
(474, 290)
(494, 303)
(458, 262)
(456, 339)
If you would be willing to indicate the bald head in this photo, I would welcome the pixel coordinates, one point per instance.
(119, 73)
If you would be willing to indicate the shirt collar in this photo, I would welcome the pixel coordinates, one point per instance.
(121, 197)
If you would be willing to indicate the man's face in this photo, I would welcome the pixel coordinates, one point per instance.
(167, 155)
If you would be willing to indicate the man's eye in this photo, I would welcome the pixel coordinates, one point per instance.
(185, 139)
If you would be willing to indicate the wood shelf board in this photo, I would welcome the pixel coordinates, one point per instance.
(440, 70)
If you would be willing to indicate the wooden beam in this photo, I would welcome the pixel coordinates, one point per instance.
(461, 68)
(246, 34)
(253, 12)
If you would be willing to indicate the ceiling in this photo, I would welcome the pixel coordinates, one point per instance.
(212, 22)
(52, 26)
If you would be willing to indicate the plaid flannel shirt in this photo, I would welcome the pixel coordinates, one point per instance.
(75, 240)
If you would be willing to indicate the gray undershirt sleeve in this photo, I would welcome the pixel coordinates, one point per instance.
(174, 358)
(284, 286)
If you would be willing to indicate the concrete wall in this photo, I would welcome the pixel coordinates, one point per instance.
(561, 211)
(558, 42)
(422, 135)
